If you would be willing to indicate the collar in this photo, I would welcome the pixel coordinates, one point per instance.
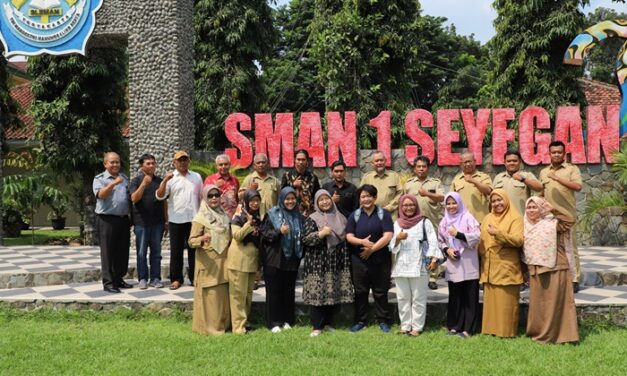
(563, 165)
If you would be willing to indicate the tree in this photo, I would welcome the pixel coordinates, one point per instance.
(289, 75)
(79, 110)
(531, 36)
(600, 64)
(231, 38)
(8, 113)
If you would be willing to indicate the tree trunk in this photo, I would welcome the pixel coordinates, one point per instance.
(90, 232)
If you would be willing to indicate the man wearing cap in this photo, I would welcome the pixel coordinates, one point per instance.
(112, 221)
(183, 189)
(227, 183)
(473, 186)
(148, 221)
(267, 185)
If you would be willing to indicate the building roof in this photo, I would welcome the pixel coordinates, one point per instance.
(22, 96)
(599, 93)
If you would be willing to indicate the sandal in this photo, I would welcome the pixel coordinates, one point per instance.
(175, 285)
(414, 333)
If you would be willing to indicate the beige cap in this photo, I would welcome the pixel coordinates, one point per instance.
(180, 154)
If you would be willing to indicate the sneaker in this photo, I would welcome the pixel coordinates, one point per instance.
(433, 285)
(357, 327)
(315, 333)
(385, 328)
(276, 329)
(143, 284)
(286, 326)
(156, 284)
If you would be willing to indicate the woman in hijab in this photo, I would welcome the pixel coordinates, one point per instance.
(549, 255)
(243, 260)
(281, 251)
(458, 234)
(501, 274)
(326, 274)
(210, 235)
(414, 260)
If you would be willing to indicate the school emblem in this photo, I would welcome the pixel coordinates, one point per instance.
(56, 27)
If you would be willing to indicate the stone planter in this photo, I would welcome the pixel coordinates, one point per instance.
(58, 223)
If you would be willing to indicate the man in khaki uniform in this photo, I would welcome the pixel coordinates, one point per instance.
(429, 193)
(517, 183)
(387, 182)
(473, 186)
(267, 185)
(560, 181)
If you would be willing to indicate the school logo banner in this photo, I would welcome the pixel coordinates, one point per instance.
(56, 27)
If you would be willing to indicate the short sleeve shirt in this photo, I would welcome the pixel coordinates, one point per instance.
(373, 226)
(148, 211)
(477, 203)
(118, 202)
(557, 194)
(183, 193)
(228, 190)
(517, 191)
(429, 208)
(268, 188)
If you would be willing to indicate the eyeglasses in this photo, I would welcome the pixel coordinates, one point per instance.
(213, 195)
(408, 205)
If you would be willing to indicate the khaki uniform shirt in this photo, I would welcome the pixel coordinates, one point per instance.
(477, 203)
(269, 188)
(517, 191)
(389, 189)
(429, 208)
(557, 194)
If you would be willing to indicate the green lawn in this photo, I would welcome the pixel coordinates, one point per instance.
(41, 237)
(126, 343)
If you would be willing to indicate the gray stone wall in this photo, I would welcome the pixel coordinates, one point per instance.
(608, 229)
(158, 35)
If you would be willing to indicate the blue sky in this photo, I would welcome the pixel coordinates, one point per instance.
(476, 16)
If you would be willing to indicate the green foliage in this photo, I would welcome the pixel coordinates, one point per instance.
(230, 37)
(598, 203)
(8, 108)
(42, 237)
(204, 169)
(601, 62)
(528, 49)
(620, 164)
(79, 109)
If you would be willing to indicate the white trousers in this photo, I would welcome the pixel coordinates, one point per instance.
(411, 294)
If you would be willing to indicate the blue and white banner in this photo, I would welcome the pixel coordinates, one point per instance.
(56, 27)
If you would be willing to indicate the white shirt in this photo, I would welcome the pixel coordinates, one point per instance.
(183, 193)
(408, 253)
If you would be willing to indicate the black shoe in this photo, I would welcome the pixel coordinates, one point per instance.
(113, 290)
(575, 287)
(433, 285)
(124, 285)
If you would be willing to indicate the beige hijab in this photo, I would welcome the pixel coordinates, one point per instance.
(215, 220)
(503, 221)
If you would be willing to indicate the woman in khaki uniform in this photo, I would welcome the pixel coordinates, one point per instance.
(500, 249)
(210, 235)
(243, 260)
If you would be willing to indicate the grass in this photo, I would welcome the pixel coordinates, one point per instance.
(129, 343)
(41, 237)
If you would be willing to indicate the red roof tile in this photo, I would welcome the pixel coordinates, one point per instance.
(599, 93)
(22, 95)
(17, 65)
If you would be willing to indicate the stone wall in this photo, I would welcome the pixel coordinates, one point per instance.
(609, 229)
(158, 35)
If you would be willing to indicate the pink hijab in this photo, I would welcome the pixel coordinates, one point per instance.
(408, 222)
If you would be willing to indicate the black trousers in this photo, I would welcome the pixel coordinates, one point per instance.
(179, 235)
(377, 278)
(463, 306)
(280, 295)
(114, 236)
(322, 316)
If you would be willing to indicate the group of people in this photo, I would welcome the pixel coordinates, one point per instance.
(489, 234)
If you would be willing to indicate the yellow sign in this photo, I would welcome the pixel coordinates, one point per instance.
(18, 3)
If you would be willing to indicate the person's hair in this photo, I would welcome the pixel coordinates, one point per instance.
(145, 157)
(371, 189)
(468, 152)
(422, 158)
(338, 163)
(302, 151)
(377, 153)
(512, 152)
(260, 155)
(224, 157)
(106, 155)
(557, 143)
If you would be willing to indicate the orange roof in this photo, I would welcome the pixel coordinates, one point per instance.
(17, 65)
(22, 95)
(599, 93)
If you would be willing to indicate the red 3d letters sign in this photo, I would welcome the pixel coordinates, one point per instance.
(273, 135)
